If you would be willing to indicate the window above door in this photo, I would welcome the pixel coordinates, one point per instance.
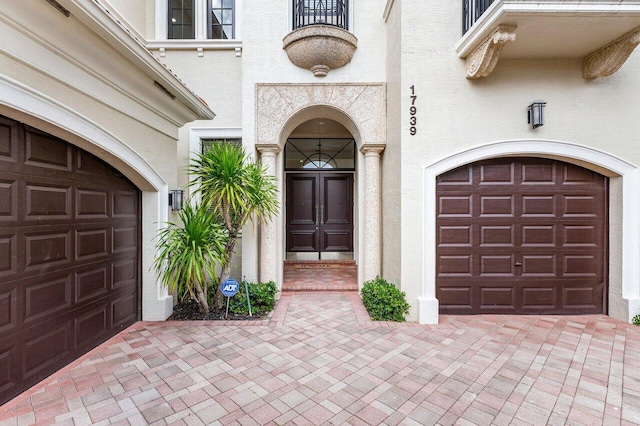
(197, 21)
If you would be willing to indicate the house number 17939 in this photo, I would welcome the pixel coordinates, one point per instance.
(413, 120)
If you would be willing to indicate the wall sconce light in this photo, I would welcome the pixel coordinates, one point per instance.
(535, 114)
(176, 198)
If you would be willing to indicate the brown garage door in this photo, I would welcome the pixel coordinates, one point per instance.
(521, 236)
(69, 254)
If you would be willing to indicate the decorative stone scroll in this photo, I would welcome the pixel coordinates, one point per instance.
(483, 60)
(608, 59)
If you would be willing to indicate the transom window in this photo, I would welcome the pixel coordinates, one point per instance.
(320, 154)
(206, 143)
(191, 19)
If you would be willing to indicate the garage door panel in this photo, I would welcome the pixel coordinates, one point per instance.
(582, 236)
(92, 203)
(497, 174)
(538, 235)
(8, 308)
(47, 152)
(8, 143)
(539, 266)
(7, 369)
(455, 265)
(497, 298)
(47, 249)
(455, 206)
(581, 265)
(451, 236)
(497, 265)
(538, 174)
(48, 201)
(68, 223)
(123, 310)
(91, 325)
(125, 204)
(8, 199)
(538, 206)
(8, 254)
(537, 228)
(578, 176)
(458, 297)
(92, 244)
(92, 282)
(46, 296)
(540, 298)
(46, 346)
(581, 206)
(497, 236)
(493, 206)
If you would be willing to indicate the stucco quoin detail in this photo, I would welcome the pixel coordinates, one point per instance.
(358, 107)
(320, 48)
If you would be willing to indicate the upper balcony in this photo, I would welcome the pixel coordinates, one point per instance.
(602, 33)
(320, 40)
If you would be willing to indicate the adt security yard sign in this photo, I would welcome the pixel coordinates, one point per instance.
(230, 287)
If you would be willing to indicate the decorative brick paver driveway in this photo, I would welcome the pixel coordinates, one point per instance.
(319, 360)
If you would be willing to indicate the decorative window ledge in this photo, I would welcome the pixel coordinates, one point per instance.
(198, 46)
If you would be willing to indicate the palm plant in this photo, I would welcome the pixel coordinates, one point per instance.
(187, 254)
(237, 190)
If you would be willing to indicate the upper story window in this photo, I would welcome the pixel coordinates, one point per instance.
(326, 12)
(181, 19)
(201, 19)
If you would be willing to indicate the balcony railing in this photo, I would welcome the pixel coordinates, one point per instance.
(471, 12)
(326, 12)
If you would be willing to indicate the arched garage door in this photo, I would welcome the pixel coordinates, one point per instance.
(69, 254)
(521, 236)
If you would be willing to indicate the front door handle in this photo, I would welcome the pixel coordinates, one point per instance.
(321, 215)
(317, 220)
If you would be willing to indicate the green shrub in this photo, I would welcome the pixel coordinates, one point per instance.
(262, 296)
(384, 301)
(636, 320)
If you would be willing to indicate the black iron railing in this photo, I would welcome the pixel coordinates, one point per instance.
(326, 12)
(471, 11)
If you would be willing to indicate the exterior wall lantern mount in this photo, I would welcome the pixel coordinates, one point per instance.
(176, 199)
(535, 114)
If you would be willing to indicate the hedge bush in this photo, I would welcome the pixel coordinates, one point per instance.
(636, 320)
(262, 296)
(384, 301)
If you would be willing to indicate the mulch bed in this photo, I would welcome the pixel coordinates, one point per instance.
(190, 311)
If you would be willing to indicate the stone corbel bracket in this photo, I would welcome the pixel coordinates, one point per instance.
(608, 59)
(483, 60)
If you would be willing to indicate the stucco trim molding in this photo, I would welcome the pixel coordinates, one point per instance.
(484, 58)
(608, 59)
(363, 106)
(573, 153)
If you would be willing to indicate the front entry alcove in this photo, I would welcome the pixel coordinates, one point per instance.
(320, 167)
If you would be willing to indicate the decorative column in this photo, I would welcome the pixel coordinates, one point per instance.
(372, 231)
(268, 238)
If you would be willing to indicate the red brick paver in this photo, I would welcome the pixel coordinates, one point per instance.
(320, 360)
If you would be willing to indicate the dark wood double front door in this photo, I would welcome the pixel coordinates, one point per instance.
(320, 213)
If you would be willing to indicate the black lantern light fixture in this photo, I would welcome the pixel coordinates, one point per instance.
(535, 114)
(176, 198)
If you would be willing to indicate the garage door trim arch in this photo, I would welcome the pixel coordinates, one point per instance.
(594, 159)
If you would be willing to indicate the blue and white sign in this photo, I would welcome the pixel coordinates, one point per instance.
(230, 287)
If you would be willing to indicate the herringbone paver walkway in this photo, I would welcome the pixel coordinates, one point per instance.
(319, 360)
